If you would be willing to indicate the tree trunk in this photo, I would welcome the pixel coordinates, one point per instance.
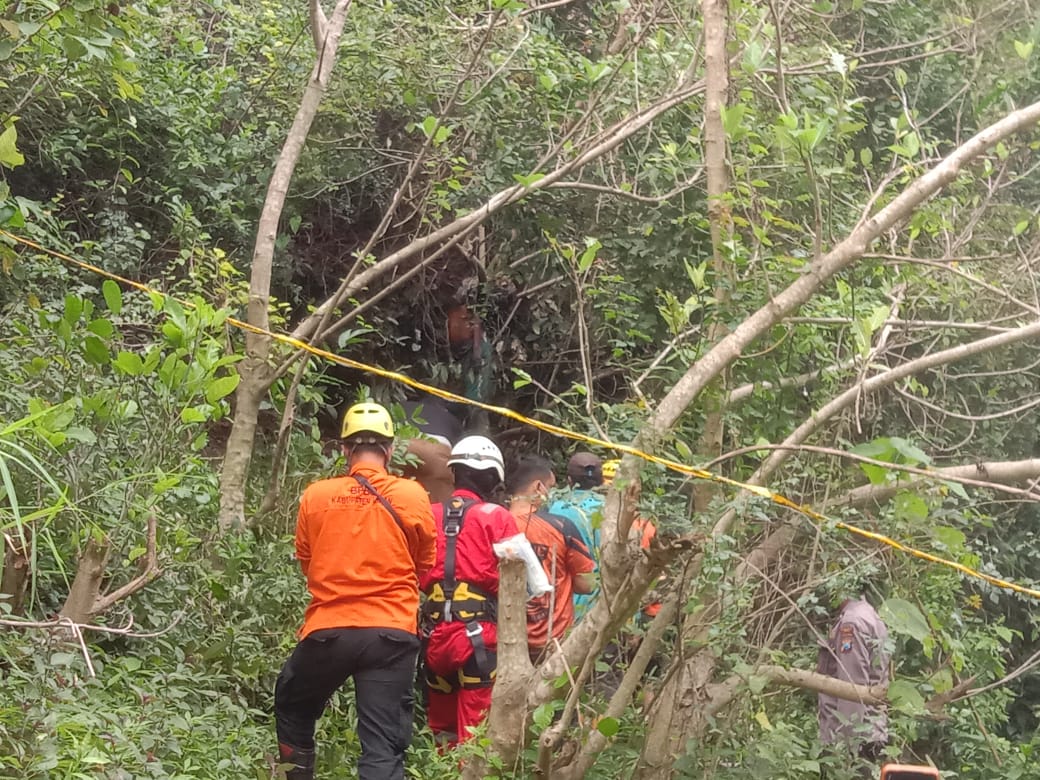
(15, 579)
(86, 587)
(507, 721)
(254, 370)
(716, 87)
(85, 600)
(281, 448)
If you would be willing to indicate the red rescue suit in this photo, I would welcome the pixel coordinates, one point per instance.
(460, 650)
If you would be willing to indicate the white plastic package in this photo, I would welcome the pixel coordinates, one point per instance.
(518, 547)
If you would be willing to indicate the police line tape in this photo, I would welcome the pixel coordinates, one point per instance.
(555, 430)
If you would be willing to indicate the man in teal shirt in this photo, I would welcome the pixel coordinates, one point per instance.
(583, 506)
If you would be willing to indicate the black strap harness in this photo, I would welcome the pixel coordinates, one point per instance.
(363, 481)
(453, 601)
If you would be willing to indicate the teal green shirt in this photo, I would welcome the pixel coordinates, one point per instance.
(584, 508)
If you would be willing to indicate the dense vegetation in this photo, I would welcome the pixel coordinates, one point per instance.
(626, 233)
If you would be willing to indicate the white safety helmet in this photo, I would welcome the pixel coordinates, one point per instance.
(478, 452)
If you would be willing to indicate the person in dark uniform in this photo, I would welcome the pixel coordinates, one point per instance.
(855, 651)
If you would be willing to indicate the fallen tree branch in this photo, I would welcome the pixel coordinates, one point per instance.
(929, 474)
(820, 683)
(1007, 472)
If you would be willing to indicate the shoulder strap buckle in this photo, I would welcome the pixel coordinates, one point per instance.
(454, 512)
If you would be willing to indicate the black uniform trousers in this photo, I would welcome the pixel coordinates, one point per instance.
(382, 663)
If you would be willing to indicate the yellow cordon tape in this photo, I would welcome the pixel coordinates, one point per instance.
(556, 430)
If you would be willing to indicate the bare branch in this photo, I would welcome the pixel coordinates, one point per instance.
(1000, 472)
(971, 417)
(928, 474)
(609, 140)
(744, 392)
(655, 200)
(821, 683)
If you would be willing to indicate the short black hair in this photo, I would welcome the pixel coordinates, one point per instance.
(483, 482)
(376, 445)
(528, 469)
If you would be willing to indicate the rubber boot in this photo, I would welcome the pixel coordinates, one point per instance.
(302, 761)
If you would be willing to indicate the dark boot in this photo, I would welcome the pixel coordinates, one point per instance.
(302, 762)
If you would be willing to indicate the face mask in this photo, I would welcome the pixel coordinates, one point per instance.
(555, 493)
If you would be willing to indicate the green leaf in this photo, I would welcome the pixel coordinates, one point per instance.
(80, 434)
(193, 414)
(95, 351)
(221, 387)
(912, 454)
(592, 246)
(877, 475)
(101, 327)
(912, 144)
(608, 727)
(942, 681)
(863, 333)
(135, 553)
(543, 715)
(732, 118)
(9, 154)
(878, 449)
(910, 506)
(173, 334)
(1004, 633)
(73, 308)
(73, 47)
(529, 179)
(1024, 50)
(904, 618)
(1020, 228)
(113, 296)
(950, 538)
(166, 483)
(129, 363)
(522, 378)
(905, 697)
(757, 683)
(151, 360)
(697, 274)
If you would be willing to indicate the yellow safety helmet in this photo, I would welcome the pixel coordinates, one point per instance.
(610, 468)
(368, 418)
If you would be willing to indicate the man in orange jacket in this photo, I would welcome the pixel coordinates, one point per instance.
(363, 540)
(560, 548)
